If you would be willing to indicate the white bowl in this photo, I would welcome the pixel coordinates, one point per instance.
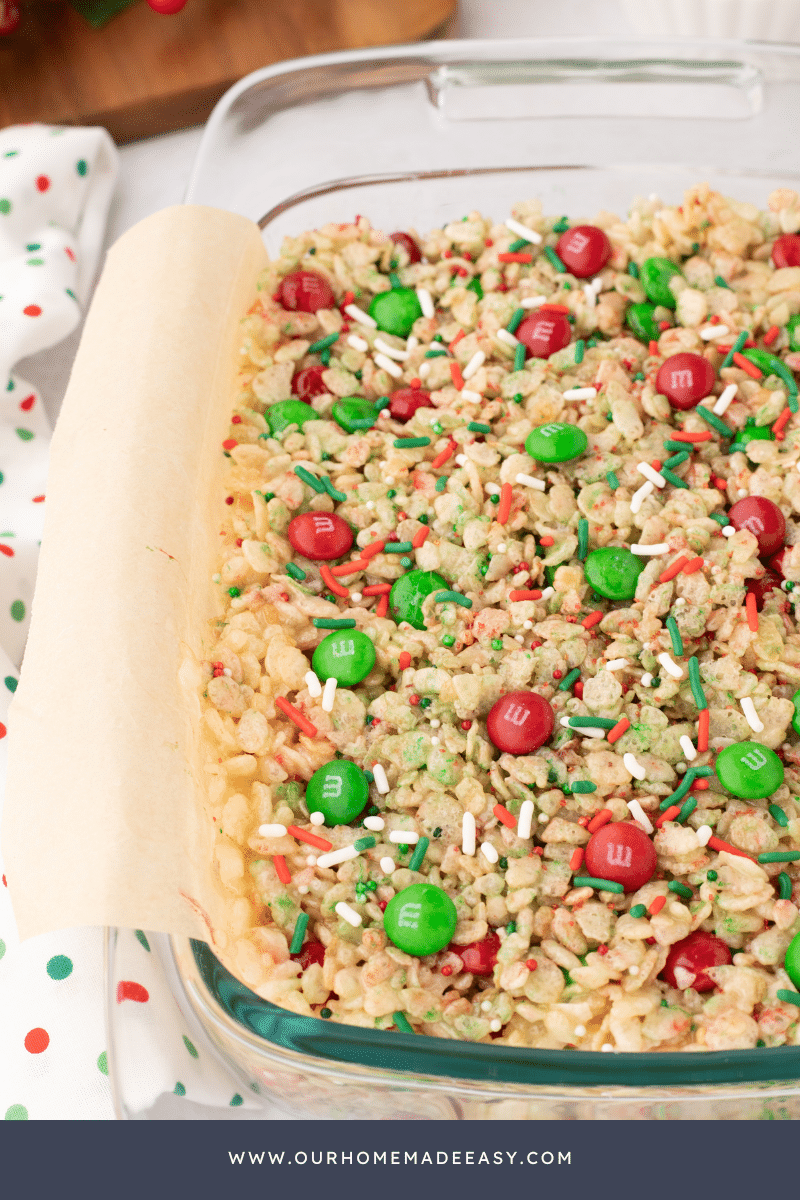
(758, 20)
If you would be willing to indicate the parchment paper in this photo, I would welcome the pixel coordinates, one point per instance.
(105, 818)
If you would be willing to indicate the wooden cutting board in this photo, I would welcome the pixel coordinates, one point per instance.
(143, 74)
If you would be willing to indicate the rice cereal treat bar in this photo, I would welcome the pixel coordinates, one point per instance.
(503, 702)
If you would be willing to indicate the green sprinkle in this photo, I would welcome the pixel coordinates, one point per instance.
(441, 483)
(582, 785)
(554, 260)
(397, 548)
(420, 851)
(780, 856)
(365, 843)
(310, 479)
(669, 445)
(333, 492)
(401, 1022)
(602, 885)
(295, 572)
(436, 354)
(234, 591)
(391, 494)
(788, 997)
(456, 597)
(411, 443)
(672, 478)
(497, 643)
(720, 518)
(695, 684)
(680, 790)
(518, 245)
(735, 348)
(323, 343)
(675, 635)
(580, 348)
(426, 703)
(561, 225)
(590, 722)
(476, 427)
(519, 357)
(583, 538)
(638, 910)
(326, 1013)
(686, 811)
(677, 459)
(720, 282)
(638, 377)
(612, 480)
(778, 815)
(333, 623)
(325, 357)
(373, 812)
(712, 875)
(518, 397)
(394, 280)
(299, 933)
(680, 889)
(568, 681)
(784, 886)
(515, 322)
(448, 640)
(703, 772)
(406, 562)
(633, 270)
(712, 419)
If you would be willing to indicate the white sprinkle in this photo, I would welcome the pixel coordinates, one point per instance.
(370, 504)
(387, 865)
(386, 364)
(486, 1005)
(580, 1031)
(317, 818)
(529, 481)
(489, 852)
(435, 723)
(751, 716)
(616, 664)
(670, 665)
(412, 342)
(334, 857)
(492, 489)
(638, 498)
(468, 834)
(518, 637)
(424, 369)
(725, 399)
(392, 351)
(728, 531)
(548, 591)
(638, 814)
(528, 624)
(532, 301)
(470, 396)
(525, 819)
(680, 767)
(311, 860)
(425, 302)
(381, 782)
(495, 1025)
(404, 837)
(647, 679)
(710, 333)
(349, 914)
(461, 459)
(357, 343)
(434, 741)
(374, 823)
(388, 478)
(587, 393)
(703, 834)
(521, 230)
(649, 473)
(597, 283)
(356, 597)
(636, 769)
(272, 831)
(678, 600)
(303, 889)
(588, 731)
(687, 746)
(359, 315)
(227, 671)
(329, 694)
(646, 550)
(313, 684)
(477, 361)
(590, 294)
(501, 547)
(606, 1047)
(634, 970)
(504, 336)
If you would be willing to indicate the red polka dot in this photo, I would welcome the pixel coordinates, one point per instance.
(9, 553)
(42, 183)
(32, 310)
(127, 990)
(38, 499)
(27, 404)
(69, 253)
(36, 1041)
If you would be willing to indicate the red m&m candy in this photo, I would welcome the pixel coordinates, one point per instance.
(584, 250)
(520, 722)
(405, 401)
(769, 582)
(409, 245)
(318, 535)
(312, 952)
(685, 379)
(306, 291)
(479, 957)
(775, 563)
(694, 955)
(623, 853)
(308, 383)
(786, 250)
(764, 519)
(543, 333)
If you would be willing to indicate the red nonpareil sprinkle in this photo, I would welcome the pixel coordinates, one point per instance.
(602, 950)
(719, 482)
(538, 850)
(447, 970)
(781, 421)
(616, 733)
(577, 689)
(350, 568)
(503, 815)
(652, 349)
(466, 726)
(656, 464)
(663, 326)
(531, 964)
(558, 674)
(691, 437)
(236, 420)
(461, 333)
(413, 700)
(420, 537)
(656, 906)
(456, 376)
(524, 594)
(295, 715)
(281, 869)
(717, 844)
(381, 609)
(504, 507)
(673, 570)
(702, 730)
(699, 785)
(348, 298)
(593, 619)
(671, 812)
(330, 582)
(771, 334)
(310, 839)
(372, 549)
(229, 499)
(599, 820)
(547, 540)
(239, 541)
(748, 367)
(377, 589)
(415, 383)
(404, 660)
(229, 443)
(554, 308)
(752, 612)
(577, 859)
(443, 455)
(694, 564)
(507, 256)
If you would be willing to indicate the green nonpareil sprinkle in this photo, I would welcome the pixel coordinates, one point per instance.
(333, 492)
(365, 843)
(680, 791)
(788, 997)
(518, 245)
(712, 875)
(420, 850)
(676, 459)
(638, 910)
(397, 548)
(720, 518)
(735, 348)
(333, 623)
(680, 889)
(554, 260)
(778, 815)
(638, 377)
(633, 270)
(310, 479)
(518, 397)
(456, 597)
(411, 443)
(582, 785)
(583, 538)
(580, 350)
(602, 885)
(589, 722)
(295, 572)
(568, 680)
(519, 357)
(780, 856)
(299, 933)
(516, 320)
(675, 635)
(720, 282)
(612, 480)
(436, 354)
(401, 1022)
(672, 478)
(686, 811)
(323, 343)
(441, 483)
(694, 682)
(394, 280)
(784, 886)
(477, 427)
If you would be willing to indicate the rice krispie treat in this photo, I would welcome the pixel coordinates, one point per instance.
(502, 699)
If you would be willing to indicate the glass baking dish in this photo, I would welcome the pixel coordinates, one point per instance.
(418, 136)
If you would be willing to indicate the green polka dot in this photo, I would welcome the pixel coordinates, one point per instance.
(5, 207)
(17, 1112)
(190, 1047)
(81, 166)
(31, 246)
(102, 1063)
(2, 947)
(24, 434)
(179, 1089)
(236, 1101)
(59, 967)
(141, 937)
(11, 683)
(18, 610)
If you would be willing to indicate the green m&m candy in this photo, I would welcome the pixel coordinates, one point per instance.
(641, 322)
(794, 333)
(288, 412)
(396, 311)
(556, 442)
(751, 433)
(749, 770)
(613, 572)
(796, 717)
(347, 656)
(408, 593)
(655, 275)
(339, 790)
(421, 919)
(476, 286)
(354, 413)
(791, 963)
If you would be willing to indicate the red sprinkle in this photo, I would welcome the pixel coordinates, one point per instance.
(420, 537)
(702, 730)
(377, 589)
(782, 421)
(310, 839)
(717, 844)
(593, 619)
(381, 609)
(295, 715)
(281, 869)
(350, 568)
(748, 367)
(771, 334)
(671, 812)
(504, 507)
(616, 733)
(229, 443)
(508, 819)
(699, 785)
(694, 564)
(752, 612)
(531, 964)
(577, 859)
(656, 906)
(602, 950)
(524, 594)
(719, 482)
(415, 383)
(691, 437)
(599, 820)
(461, 334)
(404, 660)
(652, 349)
(520, 258)
(413, 700)
(447, 970)
(229, 499)
(577, 689)
(330, 582)
(547, 540)
(466, 725)
(443, 456)
(673, 570)
(236, 420)
(372, 549)
(554, 308)
(457, 377)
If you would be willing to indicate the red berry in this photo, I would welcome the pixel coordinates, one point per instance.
(312, 952)
(409, 245)
(762, 518)
(479, 957)
(623, 853)
(544, 333)
(786, 250)
(584, 250)
(520, 722)
(9, 17)
(685, 379)
(308, 383)
(306, 291)
(405, 401)
(695, 954)
(318, 535)
(769, 582)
